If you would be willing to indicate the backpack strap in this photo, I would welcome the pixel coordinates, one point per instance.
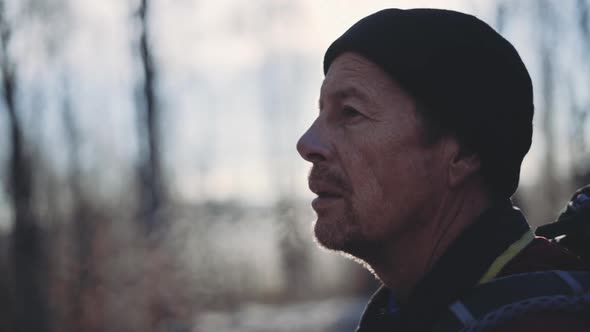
(572, 228)
(503, 299)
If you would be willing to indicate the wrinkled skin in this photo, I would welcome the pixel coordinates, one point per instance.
(373, 170)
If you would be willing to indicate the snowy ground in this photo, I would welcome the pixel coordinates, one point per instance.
(334, 315)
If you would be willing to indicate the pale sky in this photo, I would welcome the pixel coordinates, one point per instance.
(226, 67)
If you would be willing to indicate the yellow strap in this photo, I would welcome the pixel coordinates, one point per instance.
(506, 256)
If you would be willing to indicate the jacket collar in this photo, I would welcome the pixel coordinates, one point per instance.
(458, 269)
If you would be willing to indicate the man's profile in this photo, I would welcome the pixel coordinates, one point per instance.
(425, 117)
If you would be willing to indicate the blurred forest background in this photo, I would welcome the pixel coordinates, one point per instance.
(149, 175)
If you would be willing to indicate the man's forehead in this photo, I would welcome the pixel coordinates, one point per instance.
(353, 76)
(348, 77)
(350, 66)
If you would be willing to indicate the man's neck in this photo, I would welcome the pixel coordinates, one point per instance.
(401, 263)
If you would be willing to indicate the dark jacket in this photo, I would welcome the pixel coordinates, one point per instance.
(462, 267)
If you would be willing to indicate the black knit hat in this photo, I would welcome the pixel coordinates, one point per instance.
(470, 79)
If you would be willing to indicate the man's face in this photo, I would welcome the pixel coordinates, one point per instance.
(373, 171)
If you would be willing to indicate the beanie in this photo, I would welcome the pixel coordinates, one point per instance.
(470, 80)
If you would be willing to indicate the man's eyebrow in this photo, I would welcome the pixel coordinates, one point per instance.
(349, 92)
(343, 93)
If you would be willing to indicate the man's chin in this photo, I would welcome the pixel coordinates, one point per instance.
(337, 237)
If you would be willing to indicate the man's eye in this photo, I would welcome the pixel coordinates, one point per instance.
(350, 112)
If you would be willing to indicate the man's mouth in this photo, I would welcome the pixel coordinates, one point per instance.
(327, 194)
(329, 187)
(325, 199)
(324, 189)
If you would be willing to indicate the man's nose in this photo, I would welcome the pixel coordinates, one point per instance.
(313, 146)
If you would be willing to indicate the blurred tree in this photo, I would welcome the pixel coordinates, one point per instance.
(581, 110)
(559, 87)
(152, 189)
(283, 77)
(83, 301)
(546, 45)
(28, 257)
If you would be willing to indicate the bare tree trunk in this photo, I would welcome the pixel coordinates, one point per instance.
(28, 262)
(84, 233)
(552, 186)
(578, 145)
(583, 9)
(151, 182)
(283, 68)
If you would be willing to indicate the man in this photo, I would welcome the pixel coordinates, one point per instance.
(425, 117)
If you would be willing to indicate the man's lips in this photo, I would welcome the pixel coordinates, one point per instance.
(324, 189)
(322, 202)
(327, 194)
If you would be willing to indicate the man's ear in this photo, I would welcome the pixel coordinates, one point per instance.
(462, 163)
